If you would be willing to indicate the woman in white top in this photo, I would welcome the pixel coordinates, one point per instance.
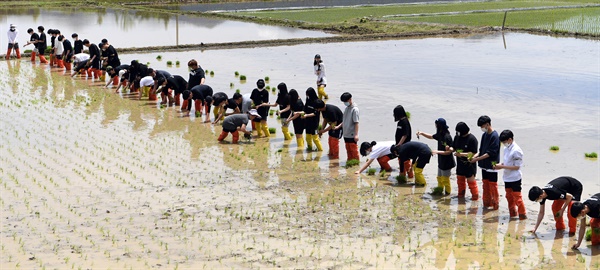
(321, 78)
(377, 151)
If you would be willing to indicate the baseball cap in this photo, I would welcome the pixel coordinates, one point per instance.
(441, 122)
(254, 112)
(13, 26)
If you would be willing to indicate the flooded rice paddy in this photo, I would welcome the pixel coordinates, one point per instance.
(93, 179)
(129, 28)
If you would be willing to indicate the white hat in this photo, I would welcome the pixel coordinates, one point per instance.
(13, 26)
(254, 112)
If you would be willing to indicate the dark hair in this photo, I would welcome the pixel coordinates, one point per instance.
(104, 40)
(134, 63)
(61, 37)
(283, 91)
(51, 31)
(74, 35)
(186, 94)
(41, 28)
(208, 99)
(192, 62)
(505, 135)
(293, 96)
(237, 95)
(461, 129)
(534, 193)
(316, 62)
(56, 31)
(399, 113)
(311, 94)
(85, 41)
(260, 83)
(319, 104)
(366, 145)
(345, 97)
(484, 119)
(150, 70)
(576, 208)
(29, 30)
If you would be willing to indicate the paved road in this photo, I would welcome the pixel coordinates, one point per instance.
(294, 4)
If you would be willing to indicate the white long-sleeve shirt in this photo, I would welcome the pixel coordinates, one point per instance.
(59, 47)
(12, 36)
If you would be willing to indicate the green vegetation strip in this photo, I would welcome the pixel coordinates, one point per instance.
(580, 20)
(333, 15)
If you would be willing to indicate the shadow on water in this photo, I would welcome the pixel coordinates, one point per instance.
(129, 28)
(124, 169)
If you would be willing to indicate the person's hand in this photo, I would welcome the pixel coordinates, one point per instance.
(277, 113)
(356, 172)
(559, 214)
(303, 116)
(575, 246)
(356, 138)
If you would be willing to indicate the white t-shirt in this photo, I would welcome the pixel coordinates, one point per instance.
(80, 57)
(513, 156)
(12, 36)
(381, 149)
(59, 47)
(320, 72)
(147, 81)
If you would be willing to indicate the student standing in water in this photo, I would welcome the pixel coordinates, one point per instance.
(489, 151)
(41, 45)
(13, 42)
(465, 145)
(297, 107)
(403, 135)
(350, 126)
(563, 191)
(321, 78)
(512, 176)
(332, 117)
(283, 100)
(444, 152)
(260, 96)
(77, 44)
(67, 52)
(311, 120)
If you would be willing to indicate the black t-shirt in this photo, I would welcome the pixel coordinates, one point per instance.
(42, 44)
(177, 83)
(403, 128)
(231, 104)
(490, 144)
(259, 97)
(95, 51)
(52, 39)
(309, 107)
(161, 76)
(200, 92)
(119, 68)
(34, 37)
(465, 144)
(445, 162)
(67, 47)
(78, 46)
(558, 188)
(333, 115)
(593, 205)
(113, 56)
(298, 106)
(196, 76)
(412, 150)
(283, 101)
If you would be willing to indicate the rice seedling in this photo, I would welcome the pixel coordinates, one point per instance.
(401, 179)
(242, 77)
(236, 73)
(267, 79)
(437, 191)
(554, 148)
(591, 155)
(352, 163)
(177, 63)
(271, 112)
(231, 85)
(169, 63)
(212, 73)
(159, 57)
(371, 171)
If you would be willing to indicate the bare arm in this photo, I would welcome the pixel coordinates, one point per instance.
(567, 202)
(364, 166)
(539, 218)
(581, 233)
(426, 135)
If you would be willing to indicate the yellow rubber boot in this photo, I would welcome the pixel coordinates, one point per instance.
(286, 133)
(265, 129)
(321, 92)
(419, 177)
(447, 187)
(309, 142)
(300, 142)
(258, 127)
(440, 180)
(317, 142)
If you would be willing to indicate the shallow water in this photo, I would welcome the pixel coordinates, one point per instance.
(99, 180)
(127, 28)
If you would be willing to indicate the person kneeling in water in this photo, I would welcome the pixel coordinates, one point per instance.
(235, 123)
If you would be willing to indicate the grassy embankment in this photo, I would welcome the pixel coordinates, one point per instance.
(581, 17)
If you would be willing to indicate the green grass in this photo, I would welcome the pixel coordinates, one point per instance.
(554, 148)
(580, 20)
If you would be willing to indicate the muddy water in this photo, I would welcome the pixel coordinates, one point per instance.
(126, 28)
(91, 179)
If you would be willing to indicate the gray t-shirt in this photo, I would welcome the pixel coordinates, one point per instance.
(246, 103)
(232, 122)
(350, 120)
